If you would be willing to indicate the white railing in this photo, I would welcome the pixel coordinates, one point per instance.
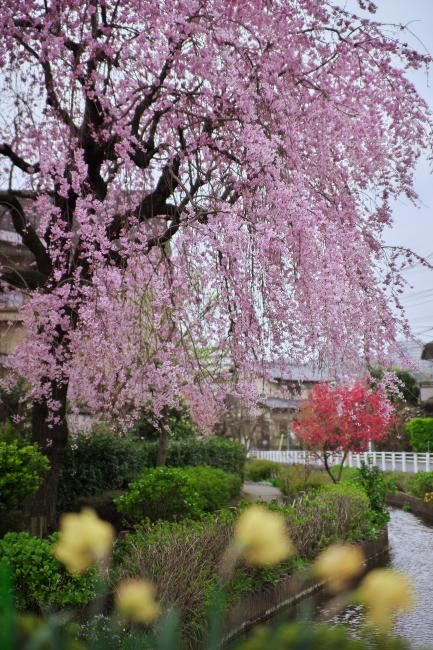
(403, 461)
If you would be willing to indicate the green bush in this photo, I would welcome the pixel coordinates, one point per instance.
(420, 432)
(294, 479)
(420, 483)
(96, 463)
(215, 487)
(161, 493)
(40, 581)
(21, 472)
(261, 469)
(373, 481)
(223, 453)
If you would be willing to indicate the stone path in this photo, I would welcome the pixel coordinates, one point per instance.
(260, 492)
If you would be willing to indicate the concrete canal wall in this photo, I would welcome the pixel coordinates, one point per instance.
(261, 605)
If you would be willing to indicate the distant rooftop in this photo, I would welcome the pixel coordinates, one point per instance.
(410, 359)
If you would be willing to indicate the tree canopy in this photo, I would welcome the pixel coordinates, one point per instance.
(193, 175)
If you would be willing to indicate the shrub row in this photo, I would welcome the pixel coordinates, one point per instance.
(100, 462)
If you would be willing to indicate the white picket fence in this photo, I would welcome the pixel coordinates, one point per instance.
(403, 461)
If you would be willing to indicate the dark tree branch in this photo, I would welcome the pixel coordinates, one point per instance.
(27, 279)
(25, 229)
(6, 150)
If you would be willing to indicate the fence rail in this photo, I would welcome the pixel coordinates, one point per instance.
(404, 461)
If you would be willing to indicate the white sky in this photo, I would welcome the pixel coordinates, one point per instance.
(413, 226)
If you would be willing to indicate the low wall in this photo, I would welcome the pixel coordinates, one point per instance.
(413, 504)
(261, 605)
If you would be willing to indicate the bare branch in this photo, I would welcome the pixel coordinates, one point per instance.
(6, 150)
(26, 231)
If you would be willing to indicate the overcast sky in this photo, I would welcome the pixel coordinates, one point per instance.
(413, 226)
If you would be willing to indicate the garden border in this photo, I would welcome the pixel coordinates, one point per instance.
(261, 605)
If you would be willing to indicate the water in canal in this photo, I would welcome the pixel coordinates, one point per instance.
(411, 551)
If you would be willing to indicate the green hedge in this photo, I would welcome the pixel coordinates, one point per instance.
(101, 462)
(22, 469)
(420, 432)
(96, 463)
(40, 581)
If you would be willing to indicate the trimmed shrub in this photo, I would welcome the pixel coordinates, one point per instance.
(21, 472)
(161, 493)
(420, 432)
(40, 581)
(97, 463)
(223, 453)
(419, 484)
(261, 469)
(214, 486)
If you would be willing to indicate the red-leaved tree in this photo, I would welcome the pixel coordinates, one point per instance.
(198, 184)
(340, 419)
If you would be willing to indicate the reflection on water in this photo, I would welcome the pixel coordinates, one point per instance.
(411, 551)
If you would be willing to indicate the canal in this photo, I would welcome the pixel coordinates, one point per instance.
(411, 551)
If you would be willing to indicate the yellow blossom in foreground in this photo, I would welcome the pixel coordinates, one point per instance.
(385, 592)
(135, 599)
(262, 536)
(84, 540)
(338, 564)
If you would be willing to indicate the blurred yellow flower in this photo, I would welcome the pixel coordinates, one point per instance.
(428, 497)
(338, 564)
(385, 592)
(84, 540)
(262, 536)
(135, 599)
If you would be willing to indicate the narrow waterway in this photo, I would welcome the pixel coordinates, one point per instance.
(411, 551)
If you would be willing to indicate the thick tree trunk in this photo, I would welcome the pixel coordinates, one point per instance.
(52, 439)
(161, 456)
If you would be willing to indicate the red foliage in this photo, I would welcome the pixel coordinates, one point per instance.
(343, 419)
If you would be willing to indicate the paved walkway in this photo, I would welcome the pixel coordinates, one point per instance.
(260, 492)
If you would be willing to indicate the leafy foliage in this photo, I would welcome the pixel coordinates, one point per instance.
(215, 487)
(261, 470)
(223, 453)
(342, 419)
(95, 463)
(419, 484)
(161, 493)
(295, 479)
(21, 471)
(40, 581)
(420, 431)
(373, 481)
